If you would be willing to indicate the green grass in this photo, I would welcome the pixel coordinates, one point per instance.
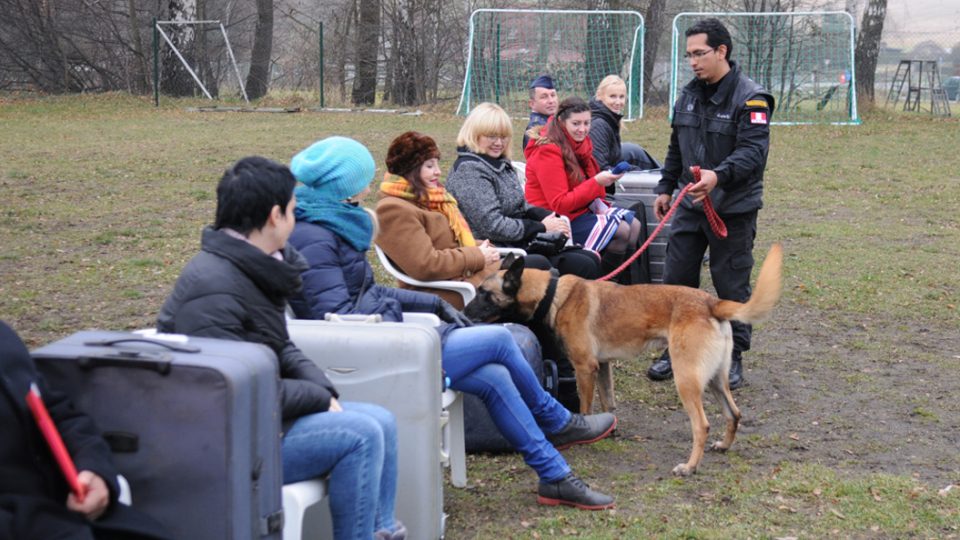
(104, 197)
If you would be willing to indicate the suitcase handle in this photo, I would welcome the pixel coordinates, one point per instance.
(172, 346)
(336, 317)
(128, 359)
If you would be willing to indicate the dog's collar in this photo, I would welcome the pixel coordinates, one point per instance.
(544, 306)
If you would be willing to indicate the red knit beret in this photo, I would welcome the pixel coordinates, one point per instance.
(409, 151)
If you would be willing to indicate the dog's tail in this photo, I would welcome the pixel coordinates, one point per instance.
(765, 295)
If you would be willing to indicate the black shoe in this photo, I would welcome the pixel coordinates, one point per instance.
(661, 369)
(572, 491)
(583, 430)
(736, 371)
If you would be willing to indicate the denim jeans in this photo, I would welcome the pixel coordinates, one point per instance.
(486, 362)
(357, 448)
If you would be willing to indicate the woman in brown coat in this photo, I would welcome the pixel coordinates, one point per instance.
(421, 228)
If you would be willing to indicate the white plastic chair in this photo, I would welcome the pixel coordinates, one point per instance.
(464, 289)
(521, 169)
(297, 499)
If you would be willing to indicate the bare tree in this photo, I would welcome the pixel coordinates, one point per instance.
(655, 23)
(258, 78)
(868, 48)
(367, 49)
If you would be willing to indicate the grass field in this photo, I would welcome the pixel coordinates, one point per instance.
(852, 422)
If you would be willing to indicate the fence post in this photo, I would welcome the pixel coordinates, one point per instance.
(156, 65)
(322, 105)
(496, 79)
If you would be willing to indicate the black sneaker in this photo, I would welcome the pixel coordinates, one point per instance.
(583, 430)
(736, 371)
(572, 491)
(661, 369)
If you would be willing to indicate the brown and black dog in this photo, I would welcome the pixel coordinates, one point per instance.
(599, 321)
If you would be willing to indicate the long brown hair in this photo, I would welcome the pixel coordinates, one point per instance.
(557, 135)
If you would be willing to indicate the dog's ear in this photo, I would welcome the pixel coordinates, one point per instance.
(508, 260)
(513, 276)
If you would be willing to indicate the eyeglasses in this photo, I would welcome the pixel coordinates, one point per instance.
(698, 54)
(500, 138)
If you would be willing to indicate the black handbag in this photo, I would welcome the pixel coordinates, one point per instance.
(547, 244)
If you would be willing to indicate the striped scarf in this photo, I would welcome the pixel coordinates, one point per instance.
(436, 200)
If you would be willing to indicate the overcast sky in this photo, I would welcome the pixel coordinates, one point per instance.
(941, 16)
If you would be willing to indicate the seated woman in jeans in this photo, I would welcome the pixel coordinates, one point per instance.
(236, 288)
(334, 234)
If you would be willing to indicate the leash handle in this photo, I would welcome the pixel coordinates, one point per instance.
(717, 225)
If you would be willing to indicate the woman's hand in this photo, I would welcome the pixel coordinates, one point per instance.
(555, 223)
(96, 499)
(605, 178)
(334, 406)
(490, 253)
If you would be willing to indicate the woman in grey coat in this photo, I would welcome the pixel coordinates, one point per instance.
(490, 195)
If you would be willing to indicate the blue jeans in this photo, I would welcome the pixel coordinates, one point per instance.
(486, 362)
(357, 448)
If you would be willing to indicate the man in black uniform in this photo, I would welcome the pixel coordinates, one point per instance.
(721, 123)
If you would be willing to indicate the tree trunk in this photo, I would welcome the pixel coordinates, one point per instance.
(405, 54)
(176, 80)
(258, 79)
(141, 81)
(868, 48)
(367, 47)
(651, 40)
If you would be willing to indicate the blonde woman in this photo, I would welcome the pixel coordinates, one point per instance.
(490, 195)
(606, 112)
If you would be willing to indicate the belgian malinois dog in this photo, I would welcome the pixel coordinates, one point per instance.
(598, 321)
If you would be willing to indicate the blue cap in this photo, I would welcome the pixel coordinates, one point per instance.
(337, 167)
(543, 81)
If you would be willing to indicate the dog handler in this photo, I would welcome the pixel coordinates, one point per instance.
(721, 122)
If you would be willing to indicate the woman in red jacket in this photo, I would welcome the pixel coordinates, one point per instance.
(563, 176)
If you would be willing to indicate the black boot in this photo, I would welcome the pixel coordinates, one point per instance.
(610, 262)
(736, 370)
(572, 491)
(661, 370)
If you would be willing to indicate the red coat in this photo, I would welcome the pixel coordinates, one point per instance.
(548, 185)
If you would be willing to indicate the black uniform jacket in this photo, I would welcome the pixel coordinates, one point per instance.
(729, 133)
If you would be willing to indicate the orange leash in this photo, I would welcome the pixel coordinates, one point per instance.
(716, 224)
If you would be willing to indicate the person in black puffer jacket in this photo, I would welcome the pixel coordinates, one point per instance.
(237, 288)
(606, 113)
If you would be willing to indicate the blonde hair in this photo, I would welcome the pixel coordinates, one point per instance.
(607, 82)
(486, 119)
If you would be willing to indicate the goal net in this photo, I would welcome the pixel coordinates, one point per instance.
(805, 59)
(511, 47)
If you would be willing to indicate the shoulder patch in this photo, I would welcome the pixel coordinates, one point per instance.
(757, 103)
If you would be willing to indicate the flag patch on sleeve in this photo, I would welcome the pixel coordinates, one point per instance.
(758, 117)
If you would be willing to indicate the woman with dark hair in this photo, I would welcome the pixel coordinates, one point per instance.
(481, 360)
(423, 231)
(563, 176)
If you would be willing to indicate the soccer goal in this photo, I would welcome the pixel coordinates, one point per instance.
(511, 47)
(805, 59)
(159, 32)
